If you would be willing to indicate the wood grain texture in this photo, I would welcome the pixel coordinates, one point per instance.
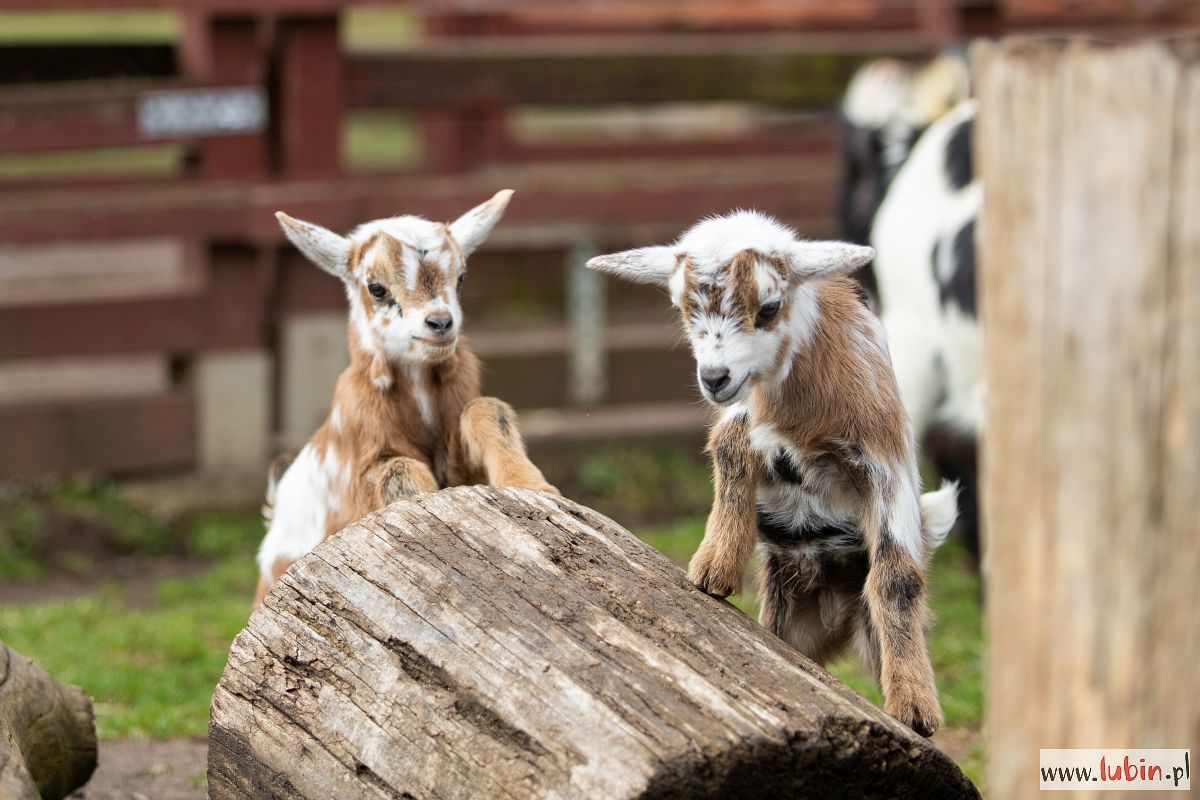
(483, 642)
(1091, 303)
(47, 732)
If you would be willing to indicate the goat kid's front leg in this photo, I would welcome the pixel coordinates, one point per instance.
(732, 528)
(896, 632)
(395, 478)
(489, 444)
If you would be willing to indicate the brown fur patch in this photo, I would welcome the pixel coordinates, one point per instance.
(732, 531)
(742, 286)
(836, 393)
(490, 448)
(278, 567)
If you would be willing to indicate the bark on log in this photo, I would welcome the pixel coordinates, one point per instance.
(483, 642)
(47, 732)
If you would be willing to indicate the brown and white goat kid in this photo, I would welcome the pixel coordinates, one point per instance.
(812, 453)
(406, 415)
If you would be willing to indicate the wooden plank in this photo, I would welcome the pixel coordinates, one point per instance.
(170, 324)
(43, 117)
(621, 195)
(645, 71)
(1097, 10)
(1089, 283)
(57, 379)
(820, 138)
(44, 63)
(310, 101)
(110, 436)
(63, 273)
(626, 421)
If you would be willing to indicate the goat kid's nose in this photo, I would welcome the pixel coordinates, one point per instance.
(440, 323)
(715, 379)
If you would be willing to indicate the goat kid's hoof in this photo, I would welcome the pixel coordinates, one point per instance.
(712, 579)
(923, 717)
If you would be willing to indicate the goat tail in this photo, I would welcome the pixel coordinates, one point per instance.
(274, 474)
(939, 510)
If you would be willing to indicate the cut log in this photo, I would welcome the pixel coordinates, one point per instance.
(47, 732)
(501, 643)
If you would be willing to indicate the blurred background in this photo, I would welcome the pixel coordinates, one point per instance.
(159, 342)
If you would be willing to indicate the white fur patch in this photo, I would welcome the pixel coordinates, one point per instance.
(904, 513)
(307, 492)
(878, 94)
(713, 242)
(936, 352)
(939, 510)
(416, 379)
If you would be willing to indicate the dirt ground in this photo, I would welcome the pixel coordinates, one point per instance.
(174, 770)
(143, 770)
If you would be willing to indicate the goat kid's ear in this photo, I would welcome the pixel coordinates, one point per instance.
(472, 228)
(323, 247)
(652, 265)
(828, 259)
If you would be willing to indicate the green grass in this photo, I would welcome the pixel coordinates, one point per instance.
(380, 140)
(88, 27)
(151, 161)
(150, 670)
(362, 28)
(150, 667)
(378, 28)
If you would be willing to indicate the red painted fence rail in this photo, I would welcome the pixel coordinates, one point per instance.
(182, 280)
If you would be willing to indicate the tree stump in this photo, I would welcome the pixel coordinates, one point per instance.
(47, 732)
(482, 642)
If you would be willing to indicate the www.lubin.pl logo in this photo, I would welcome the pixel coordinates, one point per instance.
(1116, 769)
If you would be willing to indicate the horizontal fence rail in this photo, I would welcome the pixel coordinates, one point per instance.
(213, 344)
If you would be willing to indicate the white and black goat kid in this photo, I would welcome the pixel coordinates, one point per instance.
(925, 241)
(887, 107)
(908, 190)
(812, 451)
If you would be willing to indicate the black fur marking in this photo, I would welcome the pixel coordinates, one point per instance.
(783, 469)
(904, 591)
(903, 585)
(958, 285)
(959, 166)
(955, 455)
(504, 422)
(780, 533)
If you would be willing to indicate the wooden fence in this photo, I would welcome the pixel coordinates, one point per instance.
(157, 321)
(1091, 296)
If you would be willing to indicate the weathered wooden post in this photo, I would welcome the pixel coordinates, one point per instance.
(1090, 291)
(47, 732)
(483, 642)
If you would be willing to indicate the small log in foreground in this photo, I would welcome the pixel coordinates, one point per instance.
(500, 643)
(47, 732)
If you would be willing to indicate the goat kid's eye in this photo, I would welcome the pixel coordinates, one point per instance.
(766, 313)
(377, 290)
(461, 277)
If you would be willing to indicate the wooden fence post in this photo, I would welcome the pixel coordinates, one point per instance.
(311, 96)
(1090, 267)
